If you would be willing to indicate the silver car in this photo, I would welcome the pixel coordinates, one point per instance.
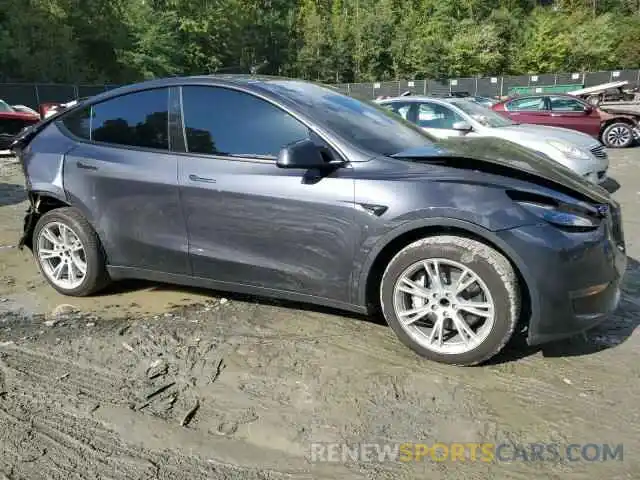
(451, 117)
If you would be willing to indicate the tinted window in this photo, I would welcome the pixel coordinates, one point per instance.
(227, 122)
(78, 123)
(433, 115)
(137, 119)
(529, 103)
(482, 114)
(364, 124)
(565, 104)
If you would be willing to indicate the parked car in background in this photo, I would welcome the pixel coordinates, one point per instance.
(615, 128)
(460, 117)
(296, 191)
(50, 109)
(11, 123)
(607, 92)
(25, 109)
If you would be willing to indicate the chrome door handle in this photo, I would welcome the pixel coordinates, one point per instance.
(85, 166)
(197, 178)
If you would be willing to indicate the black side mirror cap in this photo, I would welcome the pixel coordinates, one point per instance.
(306, 155)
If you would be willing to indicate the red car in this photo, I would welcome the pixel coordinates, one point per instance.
(12, 122)
(615, 128)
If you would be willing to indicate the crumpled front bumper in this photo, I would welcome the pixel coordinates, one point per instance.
(573, 278)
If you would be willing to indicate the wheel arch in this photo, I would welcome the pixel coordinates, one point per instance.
(41, 203)
(611, 121)
(393, 242)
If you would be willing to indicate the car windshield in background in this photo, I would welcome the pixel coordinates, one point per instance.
(368, 126)
(483, 115)
(4, 107)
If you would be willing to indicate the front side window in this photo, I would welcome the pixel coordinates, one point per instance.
(433, 115)
(564, 104)
(222, 121)
(136, 120)
(526, 104)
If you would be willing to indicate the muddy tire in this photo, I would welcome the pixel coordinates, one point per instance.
(69, 253)
(451, 299)
(618, 135)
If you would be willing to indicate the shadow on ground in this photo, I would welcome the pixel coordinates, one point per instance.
(11, 194)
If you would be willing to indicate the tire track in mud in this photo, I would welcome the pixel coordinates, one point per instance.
(43, 372)
(57, 445)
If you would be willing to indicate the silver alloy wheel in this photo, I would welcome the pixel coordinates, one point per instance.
(62, 255)
(618, 136)
(444, 306)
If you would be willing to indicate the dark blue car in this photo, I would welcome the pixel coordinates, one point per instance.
(283, 188)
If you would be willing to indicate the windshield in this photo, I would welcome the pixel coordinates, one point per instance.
(4, 107)
(365, 124)
(483, 115)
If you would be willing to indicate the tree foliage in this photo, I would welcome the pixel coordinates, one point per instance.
(115, 41)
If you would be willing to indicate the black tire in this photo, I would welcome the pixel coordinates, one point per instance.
(612, 136)
(488, 264)
(96, 277)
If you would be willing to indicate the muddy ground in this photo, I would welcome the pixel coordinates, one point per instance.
(100, 387)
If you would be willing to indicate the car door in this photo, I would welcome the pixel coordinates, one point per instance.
(571, 113)
(528, 110)
(124, 177)
(437, 119)
(253, 223)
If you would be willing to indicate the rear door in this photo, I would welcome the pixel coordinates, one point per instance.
(528, 110)
(253, 223)
(124, 178)
(571, 113)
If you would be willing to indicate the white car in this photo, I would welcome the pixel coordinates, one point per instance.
(455, 117)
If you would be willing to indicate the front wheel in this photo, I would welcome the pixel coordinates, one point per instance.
(451, 299)
(618, 135)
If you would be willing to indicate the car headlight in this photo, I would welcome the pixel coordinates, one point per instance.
(568, 149)
(562, 216)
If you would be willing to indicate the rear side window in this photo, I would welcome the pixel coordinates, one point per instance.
(79, 123)
(227, 122)
(529, 104)
(136, 120)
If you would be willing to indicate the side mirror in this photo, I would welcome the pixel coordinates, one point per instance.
(306, 155)
(588, 109)
(462, 127)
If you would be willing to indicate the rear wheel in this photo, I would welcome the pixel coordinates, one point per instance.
(69, 253)
(451, 299)
(618, 135)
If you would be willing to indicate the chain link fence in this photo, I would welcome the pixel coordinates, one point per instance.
(34, 95)
(493, 86)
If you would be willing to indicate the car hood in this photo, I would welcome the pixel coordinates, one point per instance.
(540, 132)
(488, 151)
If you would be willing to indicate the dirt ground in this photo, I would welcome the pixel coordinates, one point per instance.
(100, 387)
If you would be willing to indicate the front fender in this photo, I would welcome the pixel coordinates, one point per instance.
(492, 238)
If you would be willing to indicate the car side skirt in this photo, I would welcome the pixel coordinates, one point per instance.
(120, 273)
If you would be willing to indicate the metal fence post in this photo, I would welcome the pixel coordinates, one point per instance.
(476, 92)
(502, 86)
(638, 79)
(424, 88)
(35, 86)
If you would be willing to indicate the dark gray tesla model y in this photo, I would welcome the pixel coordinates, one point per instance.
(288, 189)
